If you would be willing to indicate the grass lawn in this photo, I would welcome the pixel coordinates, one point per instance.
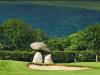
(8, 67)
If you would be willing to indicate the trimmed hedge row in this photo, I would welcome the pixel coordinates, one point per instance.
(74, 56)
(58, 57)
(19, 56)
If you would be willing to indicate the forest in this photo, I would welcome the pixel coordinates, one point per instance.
(15, 34)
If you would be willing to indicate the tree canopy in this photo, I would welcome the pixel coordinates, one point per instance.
(87, 39)
(16, 34)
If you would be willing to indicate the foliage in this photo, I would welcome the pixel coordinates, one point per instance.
(77, 41)
(16, 34)
(58, 44)
(19, 56)
(93, 37)
(40, 35)
(87, 39)
(60, 57)
(57, 56)
(86, 56)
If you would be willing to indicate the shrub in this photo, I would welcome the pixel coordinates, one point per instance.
(19, 56)
(58, 56)
(98, 58)
(86, 56)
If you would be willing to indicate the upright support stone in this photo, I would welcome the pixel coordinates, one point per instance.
(37, 58)
(47, 59)
(41, 47)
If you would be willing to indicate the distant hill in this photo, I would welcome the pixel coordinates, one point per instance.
(55, 20)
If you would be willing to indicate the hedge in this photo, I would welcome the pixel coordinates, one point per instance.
(86, 56)
(19, 56)
(74, 56)
(58, 57)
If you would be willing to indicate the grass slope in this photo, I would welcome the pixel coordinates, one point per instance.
(8, 67)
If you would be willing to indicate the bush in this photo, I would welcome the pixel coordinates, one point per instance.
(86, 56)
(58, 56)
(98, 58)
(19, 56)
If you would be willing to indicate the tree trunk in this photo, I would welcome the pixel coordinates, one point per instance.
(75, 60)
(96, 58)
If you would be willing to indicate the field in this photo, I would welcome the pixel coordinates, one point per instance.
(8, 67)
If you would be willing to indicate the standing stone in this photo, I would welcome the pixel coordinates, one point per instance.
(41, 47)
(47, 59)
(37, 58)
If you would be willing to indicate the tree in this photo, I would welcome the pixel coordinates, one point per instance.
(40, 35)
(77, 41)
(16, 34)
(4, 41)
(19, 33)
(58, 44)
(93, 38)
(88, 39)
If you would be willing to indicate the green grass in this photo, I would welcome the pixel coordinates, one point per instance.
(8, 67)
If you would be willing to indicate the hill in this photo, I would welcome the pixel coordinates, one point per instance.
(57, 21)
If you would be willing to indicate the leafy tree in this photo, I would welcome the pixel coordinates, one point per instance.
(40, 35)
(88, 39)
(18, 32)
(93, 38)
(59, 44)
(4, 41)
(77, 41)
